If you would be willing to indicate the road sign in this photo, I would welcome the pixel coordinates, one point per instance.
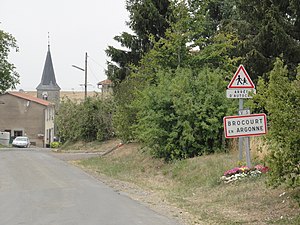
(241, 79)
(240, 93)
(244, 126)
(243, 112)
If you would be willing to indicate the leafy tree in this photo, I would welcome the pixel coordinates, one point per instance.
(193, 40)
(182, 115)
(267, 29)
(258, 31)
(67, 120)
(86, 121)
(147, 17)
(122, 59)
(169, 52)
(224, 33)
(281, 97)
(8, 76)
(124, 116)
(95, 122)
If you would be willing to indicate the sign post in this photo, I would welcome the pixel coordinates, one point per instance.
(241, 139)
(244, 125)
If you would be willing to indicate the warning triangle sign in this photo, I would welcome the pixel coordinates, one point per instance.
(241, 79)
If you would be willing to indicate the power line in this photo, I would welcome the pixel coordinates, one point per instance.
(93, 73)
(92, 70)
(96, 62)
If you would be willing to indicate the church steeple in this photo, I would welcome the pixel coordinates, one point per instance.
(48, 41)
(48, 88)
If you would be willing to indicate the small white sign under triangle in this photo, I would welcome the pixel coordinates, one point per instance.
(241, 79)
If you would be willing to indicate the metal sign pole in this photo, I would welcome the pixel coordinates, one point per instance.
(244, 140)
(241, 139)
(247, 146)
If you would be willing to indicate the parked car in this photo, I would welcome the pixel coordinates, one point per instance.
(21, 142)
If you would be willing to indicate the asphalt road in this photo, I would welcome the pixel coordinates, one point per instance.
(38, 189)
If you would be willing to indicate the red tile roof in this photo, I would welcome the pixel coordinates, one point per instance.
(107, 82)
(30, 98)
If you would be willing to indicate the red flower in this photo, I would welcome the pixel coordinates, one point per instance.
(262, 168)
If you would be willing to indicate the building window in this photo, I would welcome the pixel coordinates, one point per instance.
(45, 95)
(50, 114)
(18, 133)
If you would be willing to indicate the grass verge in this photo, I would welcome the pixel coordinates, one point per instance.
(194, 187)
(94, 146)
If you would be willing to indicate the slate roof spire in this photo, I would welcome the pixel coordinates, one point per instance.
(48, 81)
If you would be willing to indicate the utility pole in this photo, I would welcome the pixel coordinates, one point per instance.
(85, 77)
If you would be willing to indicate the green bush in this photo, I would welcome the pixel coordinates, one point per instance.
(182, 116)
(85, 121)
(280, 97)
(55, 144)
(125, 114)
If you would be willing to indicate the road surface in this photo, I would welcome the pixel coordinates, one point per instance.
(38, 189)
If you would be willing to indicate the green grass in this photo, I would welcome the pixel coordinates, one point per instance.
(89, 146)
(194, 186)
(79, 145)
(3, 146)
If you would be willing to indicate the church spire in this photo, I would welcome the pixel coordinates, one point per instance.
(48, 82)
(48, 41)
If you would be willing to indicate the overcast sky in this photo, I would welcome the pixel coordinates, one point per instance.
(75, 27)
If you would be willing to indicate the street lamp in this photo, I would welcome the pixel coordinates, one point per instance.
(85, 75)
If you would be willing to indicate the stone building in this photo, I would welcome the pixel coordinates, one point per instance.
(26, 115)
(106, 87)
(48, 89)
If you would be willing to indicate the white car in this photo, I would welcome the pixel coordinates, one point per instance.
(21, 142)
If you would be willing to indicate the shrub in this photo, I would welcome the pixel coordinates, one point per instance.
(86, 121)
(55, 144)
(182, 116)
(281, 97)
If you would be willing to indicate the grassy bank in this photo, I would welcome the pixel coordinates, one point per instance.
(194, 187)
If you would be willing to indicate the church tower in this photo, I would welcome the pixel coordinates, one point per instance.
(48, 89)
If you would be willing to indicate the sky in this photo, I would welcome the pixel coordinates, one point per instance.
(74, 27)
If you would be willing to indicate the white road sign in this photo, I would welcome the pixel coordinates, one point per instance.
(244, 112)
(240, 93)
(243, 126)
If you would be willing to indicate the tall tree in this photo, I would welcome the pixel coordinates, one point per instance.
(262, 30)
(194, 39)
(147, 17)
(280, 97)
(268, 29)
(8, 76)
(190, 27)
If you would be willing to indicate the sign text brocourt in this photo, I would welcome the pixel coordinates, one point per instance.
(247, 125)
